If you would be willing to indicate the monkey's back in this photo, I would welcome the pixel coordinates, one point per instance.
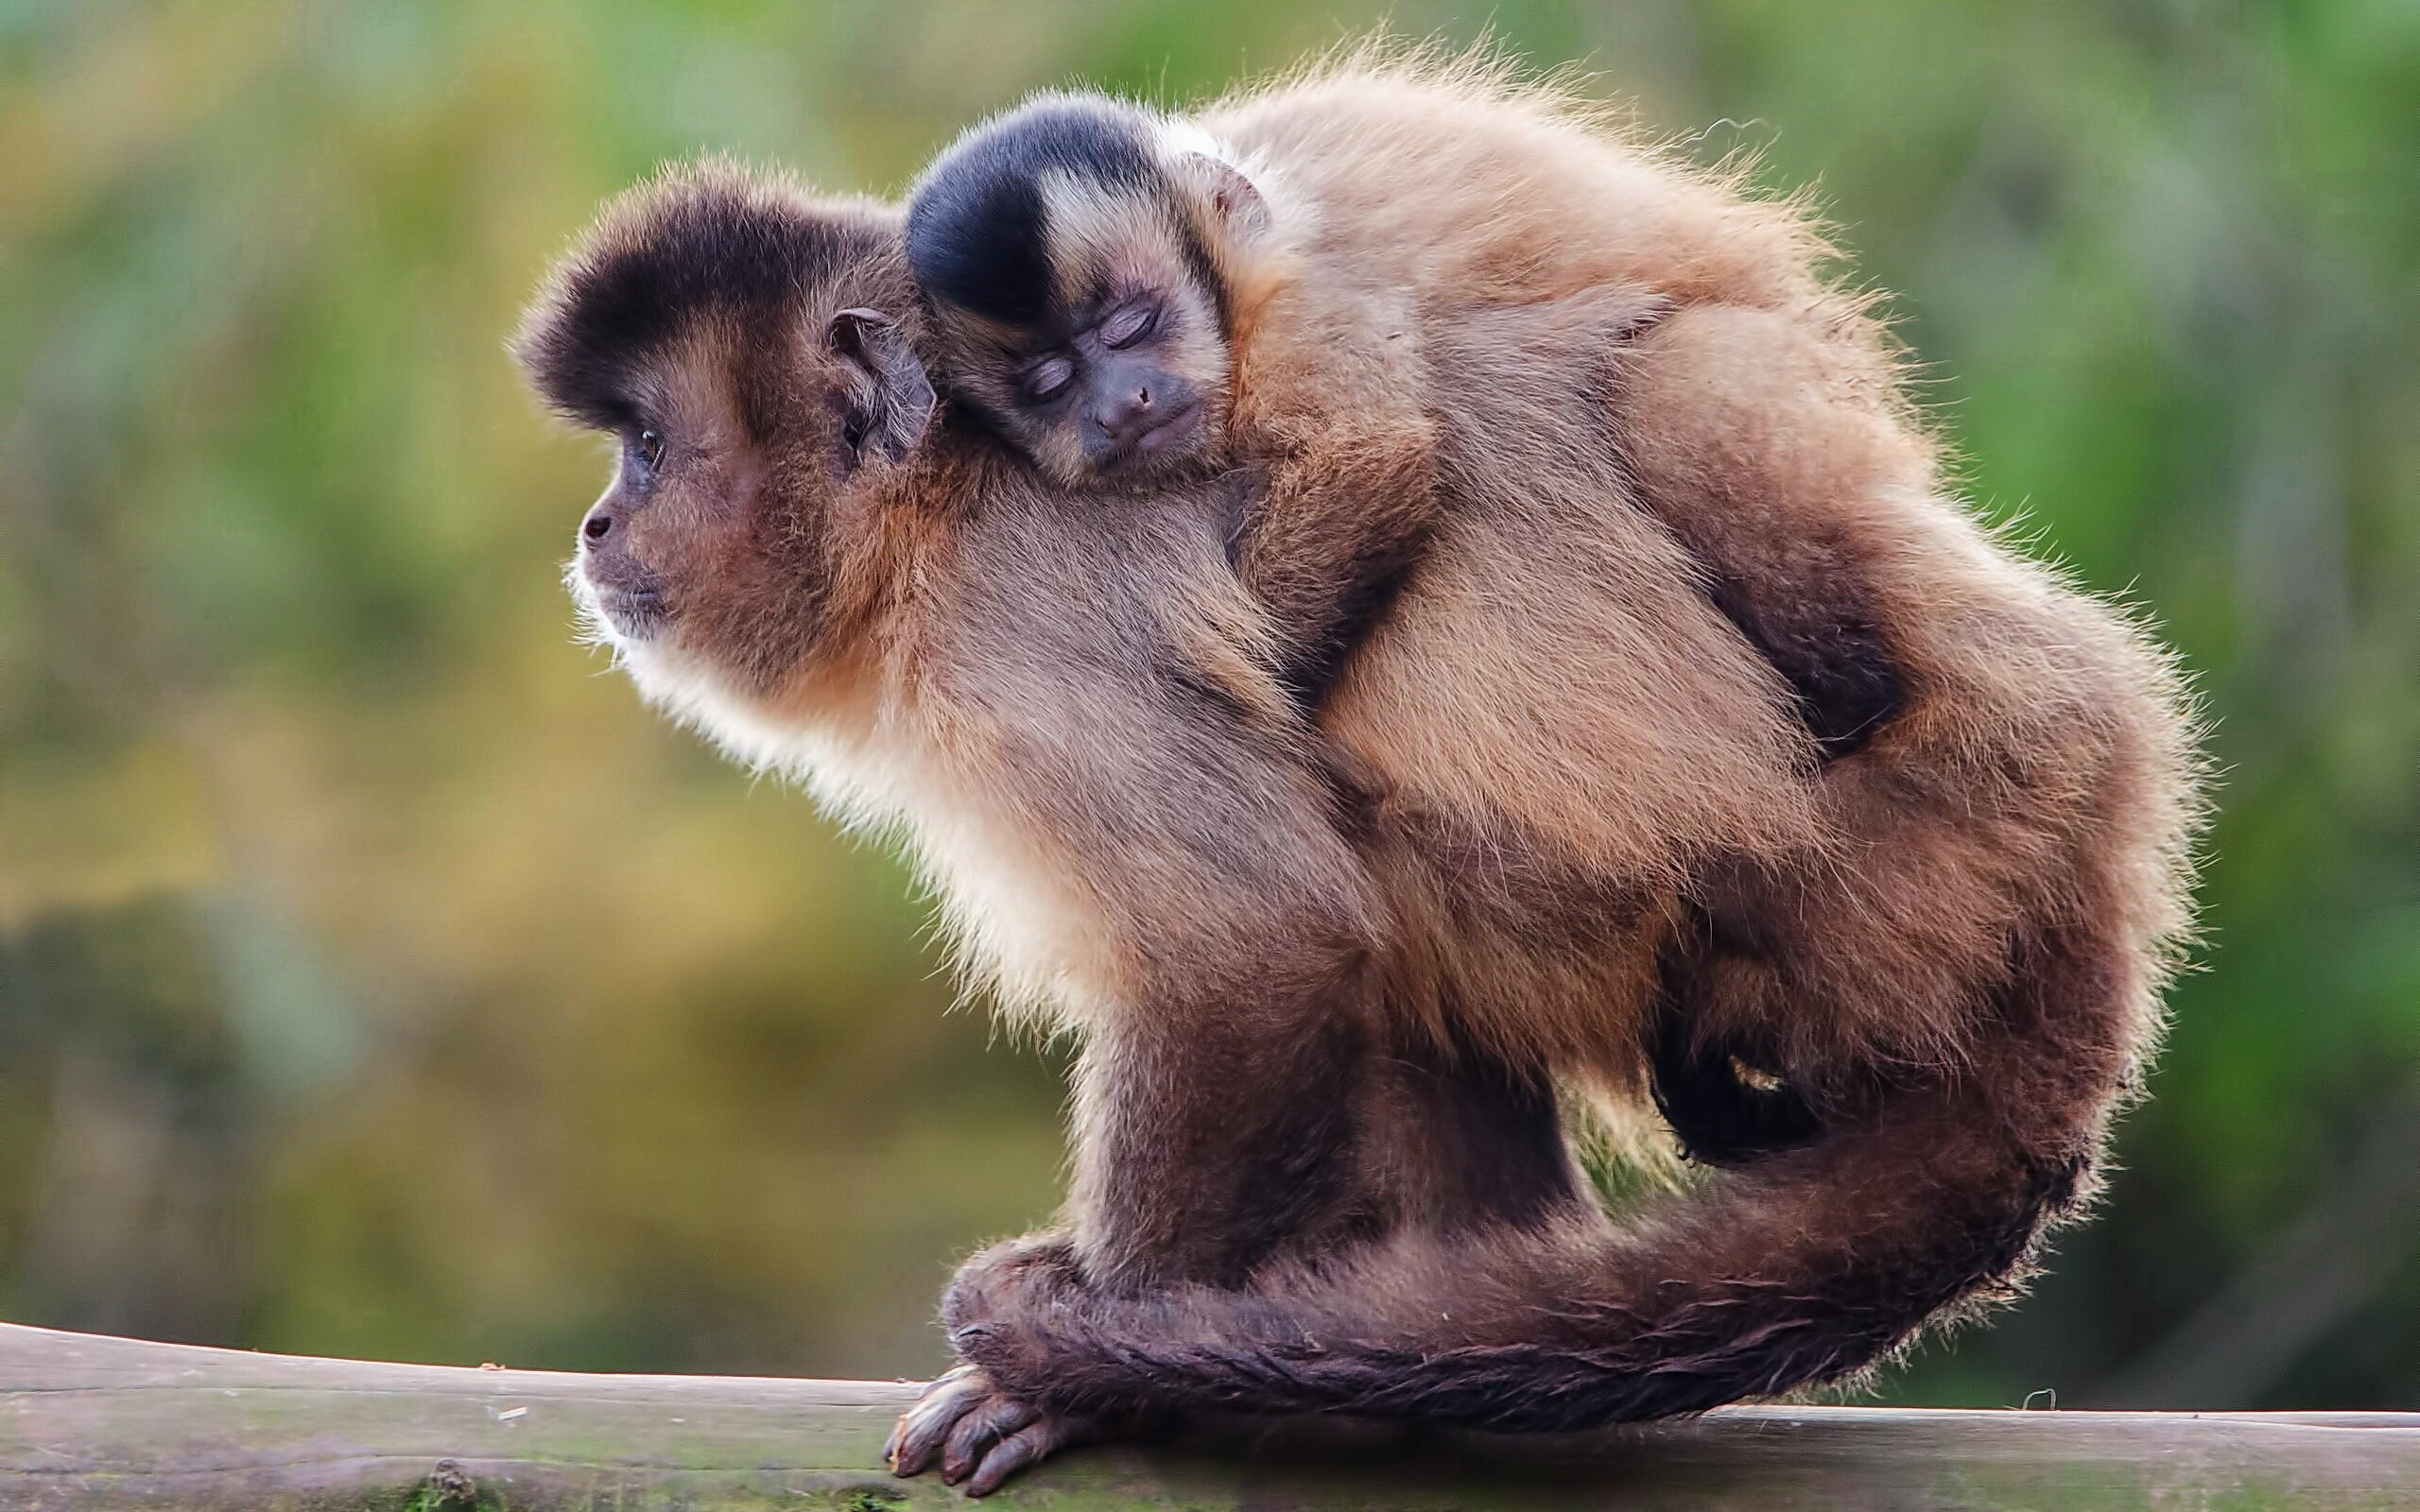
(1455, 179)
(1565, 729)
(1580, 661)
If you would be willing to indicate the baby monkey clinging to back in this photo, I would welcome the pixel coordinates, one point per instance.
(1285, 281)
(1079, 278)
(1097, 275)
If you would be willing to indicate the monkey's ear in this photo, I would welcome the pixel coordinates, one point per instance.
(892, 409)
(1238, 209)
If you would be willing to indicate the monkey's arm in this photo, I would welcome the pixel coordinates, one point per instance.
(1333, 415)
(1325, 554)
(1213, 1113)
(1217, 934)
(1234, 941)
(1340, 406)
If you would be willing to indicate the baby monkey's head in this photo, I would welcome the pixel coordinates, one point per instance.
(738, 340)
(1079, 255)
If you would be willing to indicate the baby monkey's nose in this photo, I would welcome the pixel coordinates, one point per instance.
(1127, 411)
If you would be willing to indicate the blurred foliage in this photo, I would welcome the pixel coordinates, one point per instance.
(377, 977)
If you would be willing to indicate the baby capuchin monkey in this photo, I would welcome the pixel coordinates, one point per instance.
(1122, 295)
(1605, 809)
(1096, 276)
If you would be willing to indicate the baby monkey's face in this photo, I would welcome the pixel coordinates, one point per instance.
(1128, 379)
(1075, 256)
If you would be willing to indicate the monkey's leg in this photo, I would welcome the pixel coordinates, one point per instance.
(1798, 1268)
(1470, 1143)
(1474, 1146)
(1982, 723)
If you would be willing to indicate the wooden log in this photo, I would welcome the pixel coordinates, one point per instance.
(98, 1424)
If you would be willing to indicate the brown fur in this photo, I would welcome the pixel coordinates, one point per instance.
(1566, 820)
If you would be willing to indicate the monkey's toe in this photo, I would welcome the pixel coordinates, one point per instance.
(922, 1430)
(983, 1425)
(1028, 1446)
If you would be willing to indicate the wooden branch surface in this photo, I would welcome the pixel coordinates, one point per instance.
(94, 1423)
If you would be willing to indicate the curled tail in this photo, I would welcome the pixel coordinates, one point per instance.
(1802, 1267)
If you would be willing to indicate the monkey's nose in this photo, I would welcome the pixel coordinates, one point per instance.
(599, 524)
(1126, 413)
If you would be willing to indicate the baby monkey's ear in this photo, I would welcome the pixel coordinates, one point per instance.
(891, 404)
(1238, 210)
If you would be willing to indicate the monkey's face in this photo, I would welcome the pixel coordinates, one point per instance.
(1126, 378)
(1078, 254)
(718, 330)
(1077, 311)
(703, 548)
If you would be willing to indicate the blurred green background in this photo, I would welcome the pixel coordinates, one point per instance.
(378, 977)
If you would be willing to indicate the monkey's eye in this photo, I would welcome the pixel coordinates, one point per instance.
(1129, 326)
(650, 448)
(1045, 379)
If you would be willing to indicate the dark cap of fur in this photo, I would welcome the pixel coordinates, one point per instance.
(697, 238)
(977, 229)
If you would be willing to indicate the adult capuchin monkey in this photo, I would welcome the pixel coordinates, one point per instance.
(1565, 823)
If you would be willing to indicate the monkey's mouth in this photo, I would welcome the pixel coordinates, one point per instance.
(1172, 436)
(633, 610)
(635, 613)
(1172, 433)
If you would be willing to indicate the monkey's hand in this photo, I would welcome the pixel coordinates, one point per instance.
(980, 1434)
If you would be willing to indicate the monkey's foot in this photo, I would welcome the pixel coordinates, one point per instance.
(980, 1434)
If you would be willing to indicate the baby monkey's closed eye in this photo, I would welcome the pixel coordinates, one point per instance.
(1129, 325)
(1047, 379)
